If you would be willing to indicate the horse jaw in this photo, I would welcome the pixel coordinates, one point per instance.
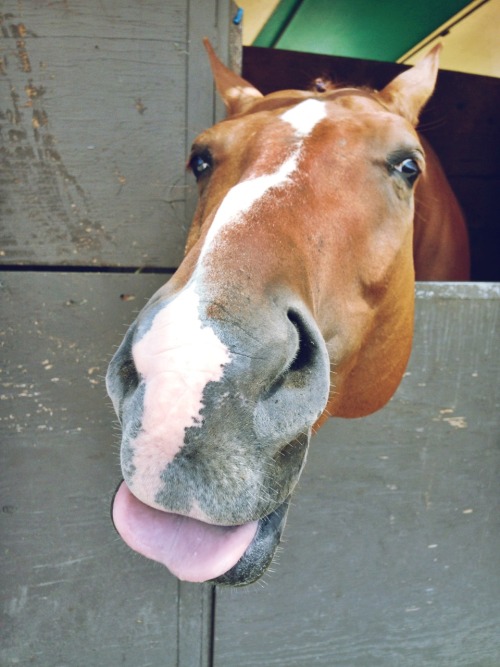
(407, 94)
(371, 376)
(237, 94)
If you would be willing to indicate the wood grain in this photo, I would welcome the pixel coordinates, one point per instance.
(392, 549)
(96, 123)
(71, 592)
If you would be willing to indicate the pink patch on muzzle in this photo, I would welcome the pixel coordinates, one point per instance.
(176, 358)
(190, 549)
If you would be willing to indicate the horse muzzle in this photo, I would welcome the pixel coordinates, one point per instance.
(216, 414)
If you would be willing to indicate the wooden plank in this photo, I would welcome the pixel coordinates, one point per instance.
(86, 154)
(71, 592)
(96, 126)
(461, 122)
(392, 546)
(195, 618)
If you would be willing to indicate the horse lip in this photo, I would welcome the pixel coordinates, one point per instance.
(260, 553)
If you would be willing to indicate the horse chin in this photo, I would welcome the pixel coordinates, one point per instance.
(259, 555)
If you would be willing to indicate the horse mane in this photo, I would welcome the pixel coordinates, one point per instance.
(322, 84)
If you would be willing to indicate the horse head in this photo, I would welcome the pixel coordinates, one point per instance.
(294, 302)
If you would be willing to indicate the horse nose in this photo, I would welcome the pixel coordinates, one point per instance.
(296, 394)
(304, 358)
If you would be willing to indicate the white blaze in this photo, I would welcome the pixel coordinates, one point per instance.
(176, 358)
(239, 200)
(243, 196)
(305, 116)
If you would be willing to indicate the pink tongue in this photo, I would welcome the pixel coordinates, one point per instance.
(192, 550)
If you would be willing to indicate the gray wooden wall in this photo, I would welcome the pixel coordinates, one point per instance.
(392, 548)
(392, 553)
(100, 101)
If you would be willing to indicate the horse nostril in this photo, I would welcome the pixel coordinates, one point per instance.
(298, 389)
(306, 349)
(128, 376)
(299, 367)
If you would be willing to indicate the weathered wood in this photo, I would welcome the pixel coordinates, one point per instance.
(96, 123)
(392, 553)
(71, 592)
(195, 617)
(204, 106)
(461, 122)
(385, 562)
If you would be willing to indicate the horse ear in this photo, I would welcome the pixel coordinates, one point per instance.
(238, 95)
(407, 94)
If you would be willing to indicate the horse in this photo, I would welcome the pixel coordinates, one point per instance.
(294, 302)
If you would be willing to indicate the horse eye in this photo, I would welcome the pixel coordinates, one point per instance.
(200, 164)
(409, 169)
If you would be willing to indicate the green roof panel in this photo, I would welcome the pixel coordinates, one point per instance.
(372, 29)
